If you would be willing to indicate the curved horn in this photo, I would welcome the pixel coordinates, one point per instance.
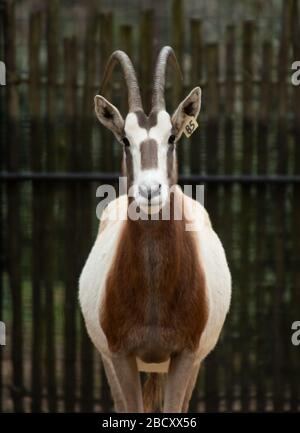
(158, 95)
(134, 97)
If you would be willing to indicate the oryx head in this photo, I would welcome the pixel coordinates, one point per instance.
(149, 141)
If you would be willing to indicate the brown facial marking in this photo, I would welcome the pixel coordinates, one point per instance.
(155, 301)
(152, 119)
(146, 122)
(148, 154)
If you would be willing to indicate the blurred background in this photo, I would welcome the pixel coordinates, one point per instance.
(54, 154)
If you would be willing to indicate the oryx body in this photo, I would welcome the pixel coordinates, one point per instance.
(154, 291)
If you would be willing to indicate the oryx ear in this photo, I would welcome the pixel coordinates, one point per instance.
(190, 106)
(109, 116)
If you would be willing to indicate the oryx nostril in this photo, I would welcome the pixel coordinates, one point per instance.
(150, 192)
(145, 192)
(156, 191)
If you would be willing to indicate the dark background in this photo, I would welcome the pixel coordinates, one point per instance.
(54, 154)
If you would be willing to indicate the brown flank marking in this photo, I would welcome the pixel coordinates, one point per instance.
(155, 303)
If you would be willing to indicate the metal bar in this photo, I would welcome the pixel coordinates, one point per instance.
(113, 177)
(23, 78)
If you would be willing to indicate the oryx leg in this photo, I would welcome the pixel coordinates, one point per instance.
(190, 388)
(180, 373)
(129, 380)
(114, 384)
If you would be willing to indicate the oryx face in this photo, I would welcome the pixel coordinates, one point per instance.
(149, 150)
(149, 142)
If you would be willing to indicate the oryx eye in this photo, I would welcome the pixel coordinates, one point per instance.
(171, 139)
(126, 142)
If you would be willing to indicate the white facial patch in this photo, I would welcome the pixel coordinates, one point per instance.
(135, 135)
(133, 131)
(161, 131)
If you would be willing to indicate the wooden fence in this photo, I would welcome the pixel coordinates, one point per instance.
(247, 148)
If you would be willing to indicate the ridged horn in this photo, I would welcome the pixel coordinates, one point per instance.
(134, 96)
(158, 95)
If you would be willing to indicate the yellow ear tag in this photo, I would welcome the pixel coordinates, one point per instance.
(190, 126)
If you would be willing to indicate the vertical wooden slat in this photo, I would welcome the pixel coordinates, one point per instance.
(280, 209)
(228, 222)
(211, 197)
(49, 191)
(295, 299)
(246, 207)
(37, 237)
(263, 132)
(196, 143)
(2, 270)
(247, 97)
(126, 44)
(106, 48)
(3, 223)
(106, 36)
(87, 365)
(146, 57)
(196, 146)
(196, 51)
(71, 220)
(13, 211)
(125, 39)
(3, 21)
(178, 44)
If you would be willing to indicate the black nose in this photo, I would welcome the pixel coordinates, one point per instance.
(148, 192)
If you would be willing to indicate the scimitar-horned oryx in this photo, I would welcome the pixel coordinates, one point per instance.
(153, 294)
